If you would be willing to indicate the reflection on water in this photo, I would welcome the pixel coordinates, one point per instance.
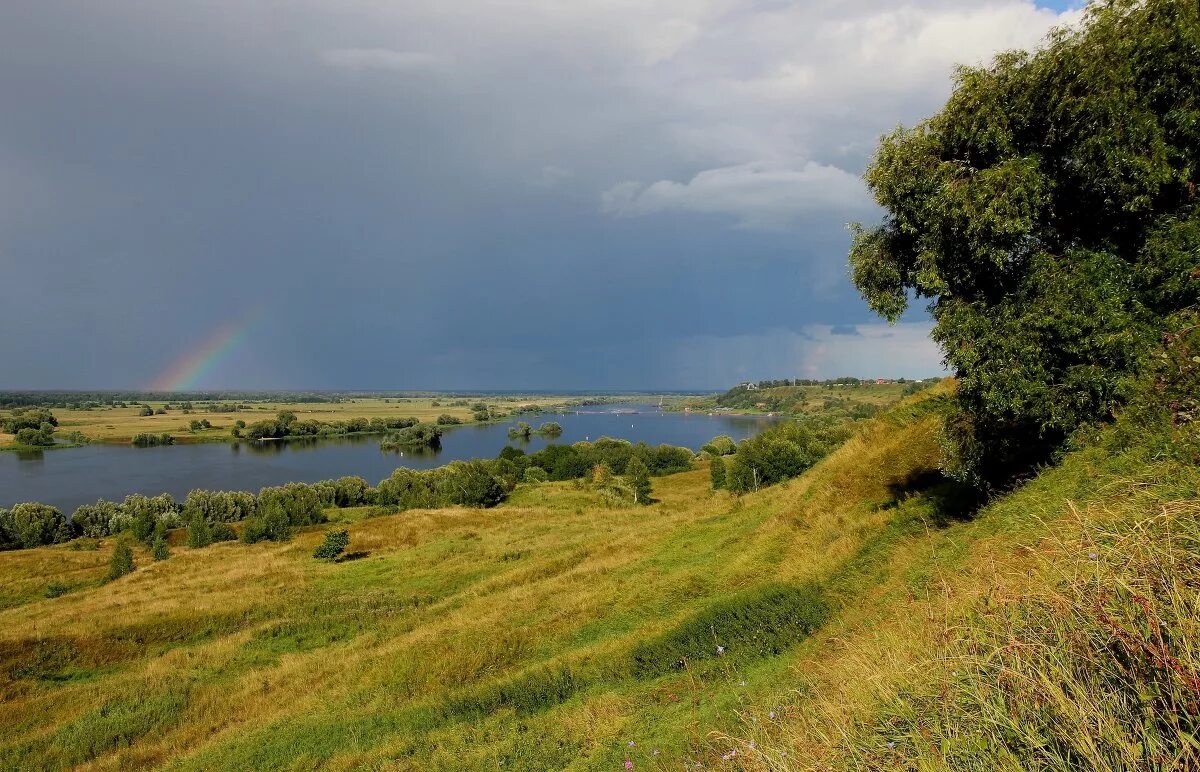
(69, 477)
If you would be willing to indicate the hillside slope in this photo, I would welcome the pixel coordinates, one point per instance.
(772, 630)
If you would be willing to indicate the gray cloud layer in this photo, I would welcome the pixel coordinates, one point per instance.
(514, 194)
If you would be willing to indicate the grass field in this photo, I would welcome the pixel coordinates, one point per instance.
(772, 631)
(120, 424)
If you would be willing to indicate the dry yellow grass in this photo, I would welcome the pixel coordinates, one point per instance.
(258, 656)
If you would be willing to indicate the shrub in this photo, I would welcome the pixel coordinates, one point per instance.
(773, 456)
(535, 474)
(145, 440)
(56, 588)
(33, 525)
(223, 532)
(159, 550)
(716, 472)
(414, 437)
(333, 546)
(270, 524)
(721, 445)
(448, 420)
(638, 475)
(299, 503)
(199, 533)
(35, 437)
(93, 520)
(121, 562)
(28, 418)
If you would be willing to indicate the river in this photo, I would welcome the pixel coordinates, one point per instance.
(70, 477)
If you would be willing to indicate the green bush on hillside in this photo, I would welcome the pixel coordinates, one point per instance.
(333, 546)
(121, 562)
(32, 525)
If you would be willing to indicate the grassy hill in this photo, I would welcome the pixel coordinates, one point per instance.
(803, 626)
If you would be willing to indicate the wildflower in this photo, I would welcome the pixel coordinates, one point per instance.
(771, 714)
(628, 764)
(783, 753)
(1093, 556)
(631, 743)
(720, 649)
(753, 745)
(891, 746)
(743, 683)
(654, 752)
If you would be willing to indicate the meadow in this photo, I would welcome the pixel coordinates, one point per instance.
(121, 424)
(775, 630)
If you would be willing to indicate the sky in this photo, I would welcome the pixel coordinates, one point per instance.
(415, 194)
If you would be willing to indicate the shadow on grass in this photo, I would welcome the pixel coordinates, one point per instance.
(950, 501)
(352, 556)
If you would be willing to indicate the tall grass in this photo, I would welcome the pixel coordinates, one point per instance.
(1099, 670)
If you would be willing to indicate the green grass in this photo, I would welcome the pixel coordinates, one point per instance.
(553, 630)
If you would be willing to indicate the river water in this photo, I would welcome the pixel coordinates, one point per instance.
(69, 477)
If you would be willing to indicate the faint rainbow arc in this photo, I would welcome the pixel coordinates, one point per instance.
(186, 371)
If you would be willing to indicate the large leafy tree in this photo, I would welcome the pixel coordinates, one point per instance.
(1049, 214)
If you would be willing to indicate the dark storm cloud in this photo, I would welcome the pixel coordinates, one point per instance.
(404, 195)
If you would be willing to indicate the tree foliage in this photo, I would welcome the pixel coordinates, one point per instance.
(32, 525)
(121, 562)
(638, 475)
(1049, 214)
(334, 545)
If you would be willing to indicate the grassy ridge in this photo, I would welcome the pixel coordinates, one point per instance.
(555, 629)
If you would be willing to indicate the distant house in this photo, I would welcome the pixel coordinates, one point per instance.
(881, 381)
(749, 386)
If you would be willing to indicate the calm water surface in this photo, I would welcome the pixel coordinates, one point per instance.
(70, 477)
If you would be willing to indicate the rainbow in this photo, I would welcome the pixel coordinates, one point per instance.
(185, 372)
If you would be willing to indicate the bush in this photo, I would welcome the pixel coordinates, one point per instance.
(775, 455)
(299, 503)
(721, 445)
(93, 520)
(28, 418)
(159, 550)
(199, 533)
(121, 562)
(333, 546)
(219, 506)
(414, 438)
(448, 420)
(223, 532)
(535, 474)
(33, 525)
(35, 437)
(152, 440)
(716, 472)
(638, 475)
(270, 524)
